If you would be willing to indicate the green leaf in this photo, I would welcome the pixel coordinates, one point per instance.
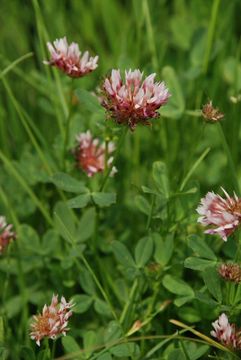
(13, 306)
(49, 242)
(29, 238)
(177, 286)
(200, 248)
(89, 341)
(182, 300)
(82, 303)
(106, 356)
(176, 104)
(159, 173)
(232, 72)
(143, 251)
(79, 202)
(206, 299)
(113, 332)
(68, 183)
(87, 282)
(89, 101)
(103, 199)
(142, 204)
(163, 248)
(125, 350)
(212, 281)
(70, 345)
(198, 264)
(177, 354)
(86, 225)
(64, 222)
(102, 308)
(122, 254)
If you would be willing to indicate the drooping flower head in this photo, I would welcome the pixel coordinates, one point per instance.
(53, 321)
(230, 272)
(6, 234)
(222, 214)
(133, 100)
(210, 113)
(225, 332)
(68, 58)
(90, 154)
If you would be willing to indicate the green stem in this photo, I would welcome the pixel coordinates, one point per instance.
(67, 127)
(210, 36)
(28, 130)
(98, 284)
(121, 139)
(15, 63)
(193, 168)
(229, 158)
(150, 213)
(150, 34)
(26, 187)
(129, 302)
(53, 350)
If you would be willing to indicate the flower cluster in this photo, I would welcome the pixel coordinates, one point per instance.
(132, 100)
(53, 321)
(225, 332)
(6, 234)
(210, 113)
(223, 214)
(90, 155)
(230, 272)
(68, 58)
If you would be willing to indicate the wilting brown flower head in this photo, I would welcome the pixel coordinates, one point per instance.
(210, 113)
(53, 321)
(230, 272)
(6, 234)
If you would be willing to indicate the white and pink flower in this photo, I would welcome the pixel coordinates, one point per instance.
(133, 100)
(6, 234)
(225, 332)
(68, 58)
(222, 214)
(90, 154)
(53, 321)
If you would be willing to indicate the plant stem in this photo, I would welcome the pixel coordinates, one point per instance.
(210, 36)
(26, 187)
(67, 126)
(150, 34)
(98, 284)
(121, 139)
(229, 158)
(129, 302)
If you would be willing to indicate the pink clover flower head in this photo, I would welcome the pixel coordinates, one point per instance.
(53, 320)
(90, 154)
(133, 100)
(224, 332)
(222, 214)
(68, 58)
(6, 234)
